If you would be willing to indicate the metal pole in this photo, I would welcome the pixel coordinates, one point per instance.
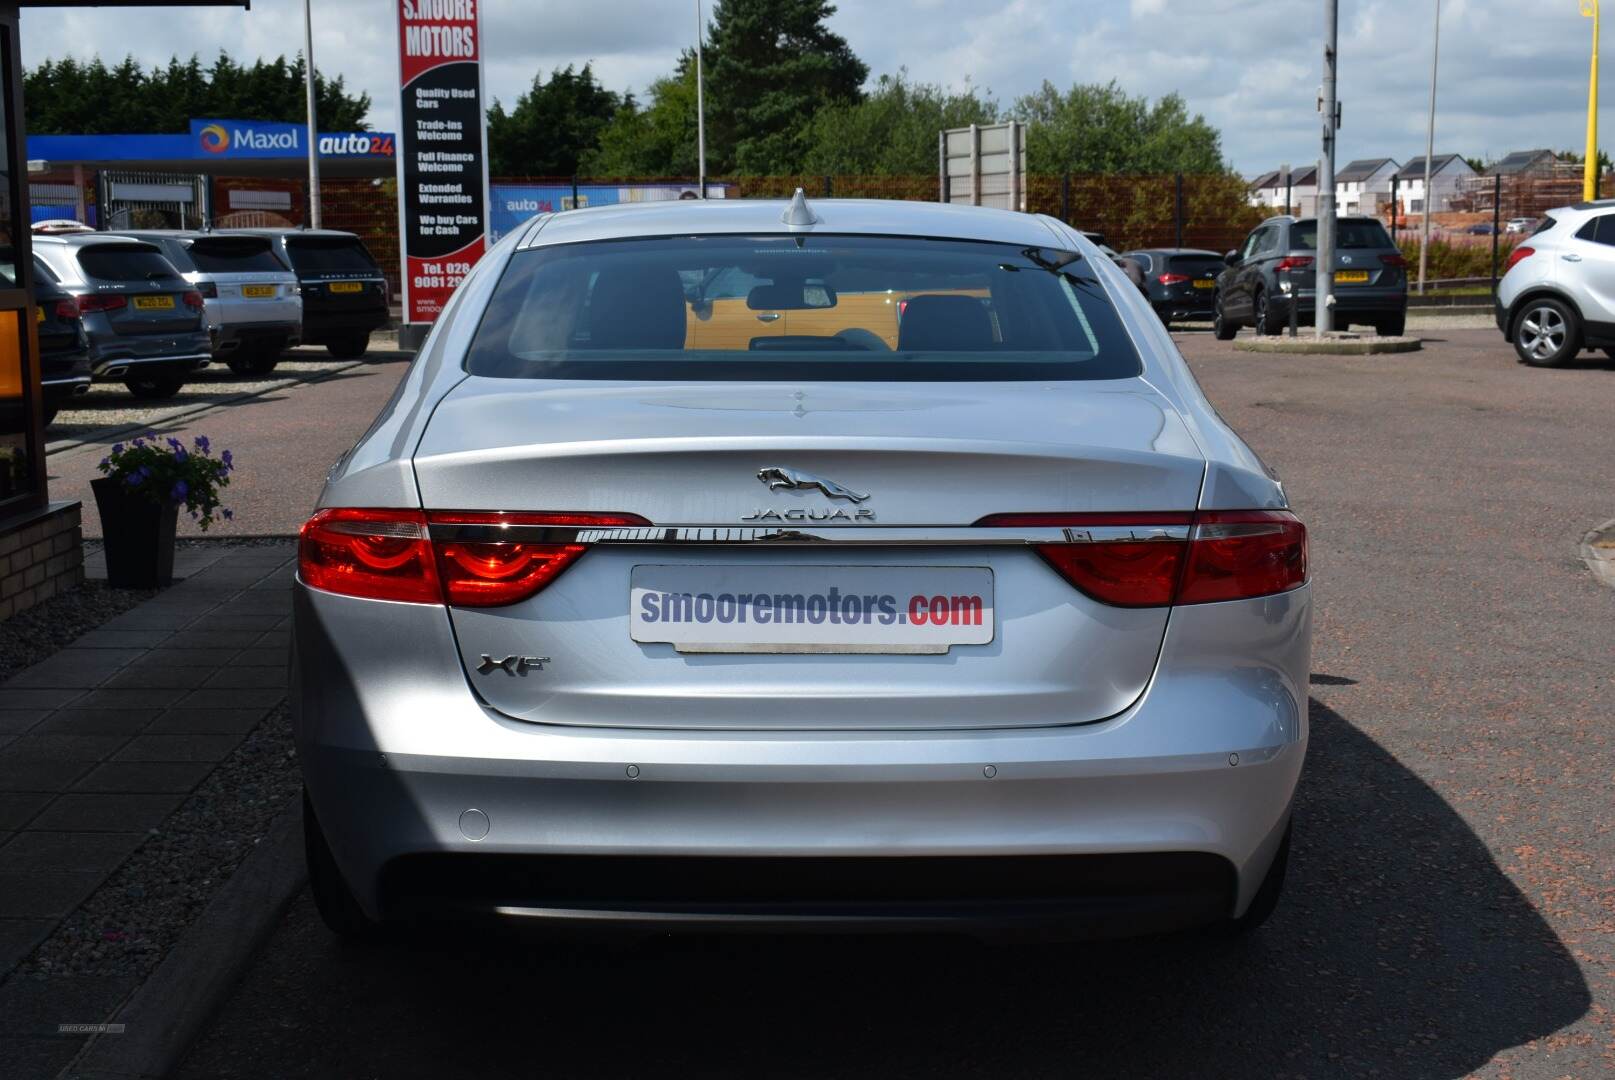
(1395, 184)
(1589, 172)
(1324, 284)
(700, 105)
(1429, 152)
(1497, 221)
(1065, 198)
(313, 126)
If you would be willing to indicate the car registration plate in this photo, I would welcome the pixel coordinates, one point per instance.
(778, 608)
(154, 303)
(1206, 283)
(346, 286)
(1350, 277)
(39, 314)
(258, 292)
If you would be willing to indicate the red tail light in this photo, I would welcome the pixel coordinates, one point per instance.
(1234, 555)
(108, 302)
(191, 298)
(494, 572)
(1394, 260)
(1516, 255)
(1294, 262)
(389, 555)
(66, 310)
(1228, 555)
(377, 554)
(1172, 279)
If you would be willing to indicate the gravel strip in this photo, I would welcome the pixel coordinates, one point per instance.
(33, 635)
(130, 923)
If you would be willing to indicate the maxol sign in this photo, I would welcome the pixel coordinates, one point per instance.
(272, 139)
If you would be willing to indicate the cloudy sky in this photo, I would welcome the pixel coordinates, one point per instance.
(1513, 72)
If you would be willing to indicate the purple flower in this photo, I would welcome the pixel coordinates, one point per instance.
(229, 515)
(226, 459)
(106, 461)
(117, 448)
(139, 443)
(175, 443)
(152, 435)
(202, 443)
(179, 492)
(180, 454)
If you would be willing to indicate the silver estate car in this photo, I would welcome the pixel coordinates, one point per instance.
(145, 323)
(863, 565)
(253, 302)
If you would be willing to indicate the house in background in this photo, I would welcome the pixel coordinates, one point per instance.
(1268, 190)
(1364, 186)
(1448, 172)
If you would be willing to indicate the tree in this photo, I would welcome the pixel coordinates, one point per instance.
(772, 65)
(657, 140)
(552, 125)
(892, 131)
(73, 98)
(1093, 128)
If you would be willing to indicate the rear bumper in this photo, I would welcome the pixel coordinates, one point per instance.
(1500, 313)
(113, 354)
(320, 326)
(231, 337)
(1200, 306)
(405, 767)
(1352, 302)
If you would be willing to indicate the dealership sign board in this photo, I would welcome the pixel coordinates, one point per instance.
(442, 157)
(271, 139)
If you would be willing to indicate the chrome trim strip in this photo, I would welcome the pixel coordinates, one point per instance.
(860, 535)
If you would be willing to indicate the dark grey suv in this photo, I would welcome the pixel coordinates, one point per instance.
(1277, 266)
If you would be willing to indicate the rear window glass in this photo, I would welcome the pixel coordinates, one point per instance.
(1348, 234)
(233, 255)
(315, 255)
(125, 262)
(800, 307)
(1196, 265)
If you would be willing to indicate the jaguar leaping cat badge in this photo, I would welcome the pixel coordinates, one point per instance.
(779, 479)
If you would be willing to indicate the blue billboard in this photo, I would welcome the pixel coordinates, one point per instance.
(273, 139)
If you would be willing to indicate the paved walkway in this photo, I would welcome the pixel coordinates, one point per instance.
(102, 741)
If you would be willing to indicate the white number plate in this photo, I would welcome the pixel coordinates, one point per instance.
(812, 609)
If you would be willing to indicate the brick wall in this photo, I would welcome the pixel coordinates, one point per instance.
(40, 555)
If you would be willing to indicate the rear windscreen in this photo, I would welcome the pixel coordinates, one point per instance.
(1348, 234)
(800, 307)
(233, 255)
(1196, 265)
(315, 255)
(125, 262)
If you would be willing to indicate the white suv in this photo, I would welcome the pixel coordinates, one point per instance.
(1557, 295)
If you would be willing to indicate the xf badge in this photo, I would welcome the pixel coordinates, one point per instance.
(512, 665)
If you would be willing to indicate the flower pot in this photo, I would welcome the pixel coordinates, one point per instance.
(138, 535)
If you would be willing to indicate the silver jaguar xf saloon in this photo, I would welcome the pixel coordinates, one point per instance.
(849, 565)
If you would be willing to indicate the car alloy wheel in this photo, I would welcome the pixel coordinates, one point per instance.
(1545, 334)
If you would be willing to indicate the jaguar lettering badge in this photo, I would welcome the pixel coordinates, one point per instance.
(827, 513)
(512, 665)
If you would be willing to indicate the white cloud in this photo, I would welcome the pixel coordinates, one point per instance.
(1509, 79)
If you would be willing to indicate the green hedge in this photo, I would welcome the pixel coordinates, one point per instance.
(1449, 259)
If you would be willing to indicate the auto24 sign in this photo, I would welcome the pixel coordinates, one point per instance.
(442, 161)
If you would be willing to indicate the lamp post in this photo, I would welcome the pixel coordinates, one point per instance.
(1589, 176)
(700, 106)
(313, 136)
(1429, 151)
